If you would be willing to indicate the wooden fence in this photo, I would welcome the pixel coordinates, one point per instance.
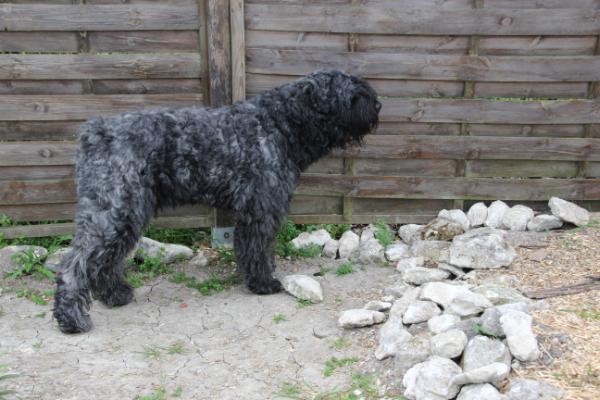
(483, 99)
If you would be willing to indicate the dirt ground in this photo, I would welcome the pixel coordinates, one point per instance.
(172, 342)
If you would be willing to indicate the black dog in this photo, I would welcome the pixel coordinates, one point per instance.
(246, 157)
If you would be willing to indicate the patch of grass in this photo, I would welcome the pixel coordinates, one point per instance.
(152, 351)
(323, 271)
(177, 392)
(344, 269)
(383, 233)
(5, 221)
(186, 237)
(226, 255)
(338, 301)
(312, 250)
(279, 318)
(4, 377)
(40, 315)
(51, 243)
(480, 330)
(30, 264)
(289, 391)
(208, 286)
(158, 394)
(176, 348)
(336, 230)
(149, 268)
(39, 297)
(362, 387)
(333, 363)
(302, 303)
(583, 313)
(340, 343)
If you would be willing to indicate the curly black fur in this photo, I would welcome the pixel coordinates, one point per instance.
(246, 157)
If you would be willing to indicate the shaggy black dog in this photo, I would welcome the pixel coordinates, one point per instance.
(246, 157)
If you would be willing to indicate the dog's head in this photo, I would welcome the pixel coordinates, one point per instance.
(347, 102)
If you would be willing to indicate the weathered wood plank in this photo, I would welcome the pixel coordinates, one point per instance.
(446, 4)
(56, 108)
(18, 173)
(431, 67)
(524, 4)
(144, 41)
(449, 188)
(490, 111)
(527, 130)
(413, 44)
(148, 86)
(416, 128)
(238, 50)
(37, 153)
(422, 21)
(40, 87)
(219, 52)
(37, 192)
(315, 205)
(327, 165)
(396, 218)
(46, 42)
(520, 169)
(99, 66)
(537, 45)
(593, 170)
(87, 17)
(399, 206)
(567, 90)
(46, 130)
(396, 167)
(297, 40)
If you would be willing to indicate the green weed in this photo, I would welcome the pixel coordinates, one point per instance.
(344, 269)
(177, 392)
(302, 303)
(186, 237)
(584, 314)
(176, 348)
(37, 296)
(30, 264)
(333, 363)
(152, 351)
(336, 230)
(149, 268)
(383, 233)
(208, 286)
(226, 255)
(159, 394)
(290, 391)
(480, 330)
(340, 343)
(279, 318)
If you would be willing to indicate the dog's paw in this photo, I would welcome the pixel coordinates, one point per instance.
(118, 296)
(72, 319)
(265, 287)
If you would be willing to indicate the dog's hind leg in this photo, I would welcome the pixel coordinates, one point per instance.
(254, 251)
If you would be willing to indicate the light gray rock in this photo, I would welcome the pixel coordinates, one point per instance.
(499, 295)
(482, 351)
(359, 318)
(399, 307)
(331, 248)
(490, 319)
(421, 275)
(519, 335)
(477, 214)
(441, 229)
(470, 326)
(517, 218)
(391, 337)
(569, 212)
(457, 216)
(481, 248)
(408, 263)
(449, 344)
(168, 252)
(349, 244)
(420, 311)
(443, 323)
(495, 214)
(456, 299)
(410, 232)
(199, 260)
(396, 290)
(483, 391)
(525, 389)
(54, 261)
(318, 238)
(494, 373)
(397, 251)
(367, 234)
(371, 251)
(9, 256)
(378, 305)
(303, 287)
(459, 273)
(436, 250)
(541, 223)
(431, 380)
(413, 351)
(388, 298)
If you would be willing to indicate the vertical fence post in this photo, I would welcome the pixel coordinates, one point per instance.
(593, 93)
(238, 50)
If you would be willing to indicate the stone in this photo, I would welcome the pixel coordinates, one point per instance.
(168, 252)
(420, 311)
(517, 218)
(391, 337)
(499, 295)
(359, 318)
(367, 234)
(371, 251)
(477, 214)
(397, 251)
(481, 351)
(525, 389)
(409, 263)
(9, 256)
(521, 341)
(542, 223)
(457, 216)
(481, 248)
(435, 250)
(331, 248)
(495, 214)
(388, 298)
(459, 273)
(54, 261)
(490, 319)
(410, 232)
(494, 373)
(483, 391)
(378, 306)
(443, 323)
(456, 299)
(420, 275)
(470, 326)
(303, 287)
(411, 352)
(397, 290)
(431, 380)
(569, 212)
(411, 294)
(199, 260)
(449, 344)
(318, 238)
(441, 229)
(349, 244)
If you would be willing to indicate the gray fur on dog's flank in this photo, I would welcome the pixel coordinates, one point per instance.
(246, 158)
